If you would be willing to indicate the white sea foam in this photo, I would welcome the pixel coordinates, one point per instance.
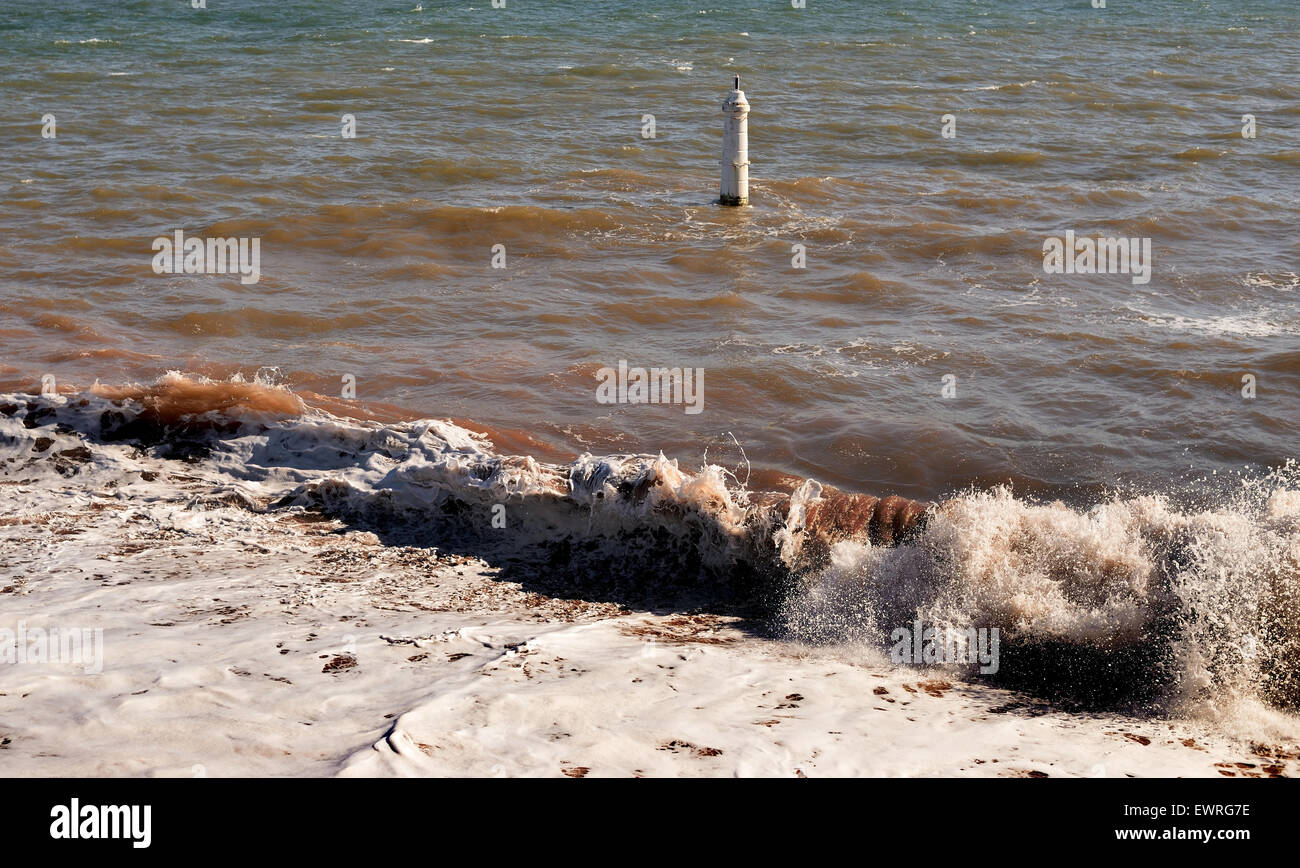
(1190, 607)
(1258, 325)
(1203, 599)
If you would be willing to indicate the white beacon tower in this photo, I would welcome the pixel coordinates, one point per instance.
(735, 148)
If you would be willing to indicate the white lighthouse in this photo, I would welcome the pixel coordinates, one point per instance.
(735, 148)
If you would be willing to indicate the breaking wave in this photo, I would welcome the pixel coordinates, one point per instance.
(1136, 601)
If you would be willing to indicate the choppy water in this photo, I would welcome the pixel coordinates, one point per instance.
(522, 127)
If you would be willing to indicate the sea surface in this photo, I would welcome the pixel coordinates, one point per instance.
(1112, 461)
(523, 127)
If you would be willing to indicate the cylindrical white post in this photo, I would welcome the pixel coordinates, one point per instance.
(735, 148)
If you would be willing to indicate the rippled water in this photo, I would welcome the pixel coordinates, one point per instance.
(523, 127)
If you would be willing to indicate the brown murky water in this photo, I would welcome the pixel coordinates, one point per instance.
(479, 127)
